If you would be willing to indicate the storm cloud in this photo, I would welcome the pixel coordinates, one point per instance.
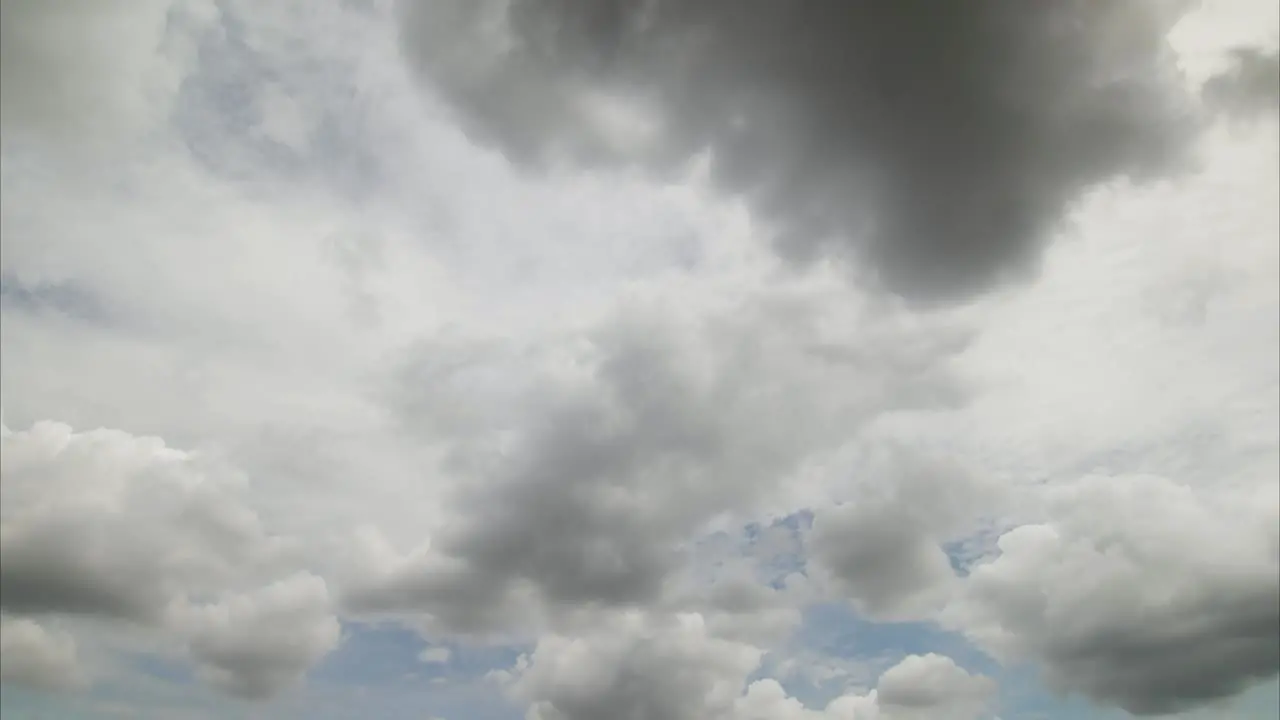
(935, 145)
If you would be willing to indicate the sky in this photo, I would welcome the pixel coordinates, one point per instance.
(640, 360)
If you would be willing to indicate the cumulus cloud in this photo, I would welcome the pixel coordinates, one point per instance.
(883, 550)
(767, 700)
(589, 474)
(919, 687)
(255, 644)
(106, 524)
(34, 656)
(113, 527)
(932, 686)
(1138, 592)
(941, 145)
(634, 666)
(740, 607)
(674, 668)
(888, 565)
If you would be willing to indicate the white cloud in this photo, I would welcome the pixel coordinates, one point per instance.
(673, 667)
(437, 655)
(665, 668)
(920, 687)
(932, 686)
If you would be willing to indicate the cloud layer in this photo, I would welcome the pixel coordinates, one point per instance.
(571, 360)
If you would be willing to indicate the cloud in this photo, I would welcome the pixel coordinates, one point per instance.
(887, 564)
(932, 686)
(941, 146)
(37, 657)
(112, 527)
(1250, 86)
(767, 700)
(437, 655)
(255, 644)
(571, 403)
(920, 687)
(586, 475)
(1137, 592)
(673, 668)
(739, 607)
(883, 550)
(633, 666)
(85, 75)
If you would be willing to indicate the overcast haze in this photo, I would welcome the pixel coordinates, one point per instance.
(640, 360)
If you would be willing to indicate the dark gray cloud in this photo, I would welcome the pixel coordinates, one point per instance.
(71, 557)
(61, 568)
(937, 144)
(1250, 86)
(1208, 651)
